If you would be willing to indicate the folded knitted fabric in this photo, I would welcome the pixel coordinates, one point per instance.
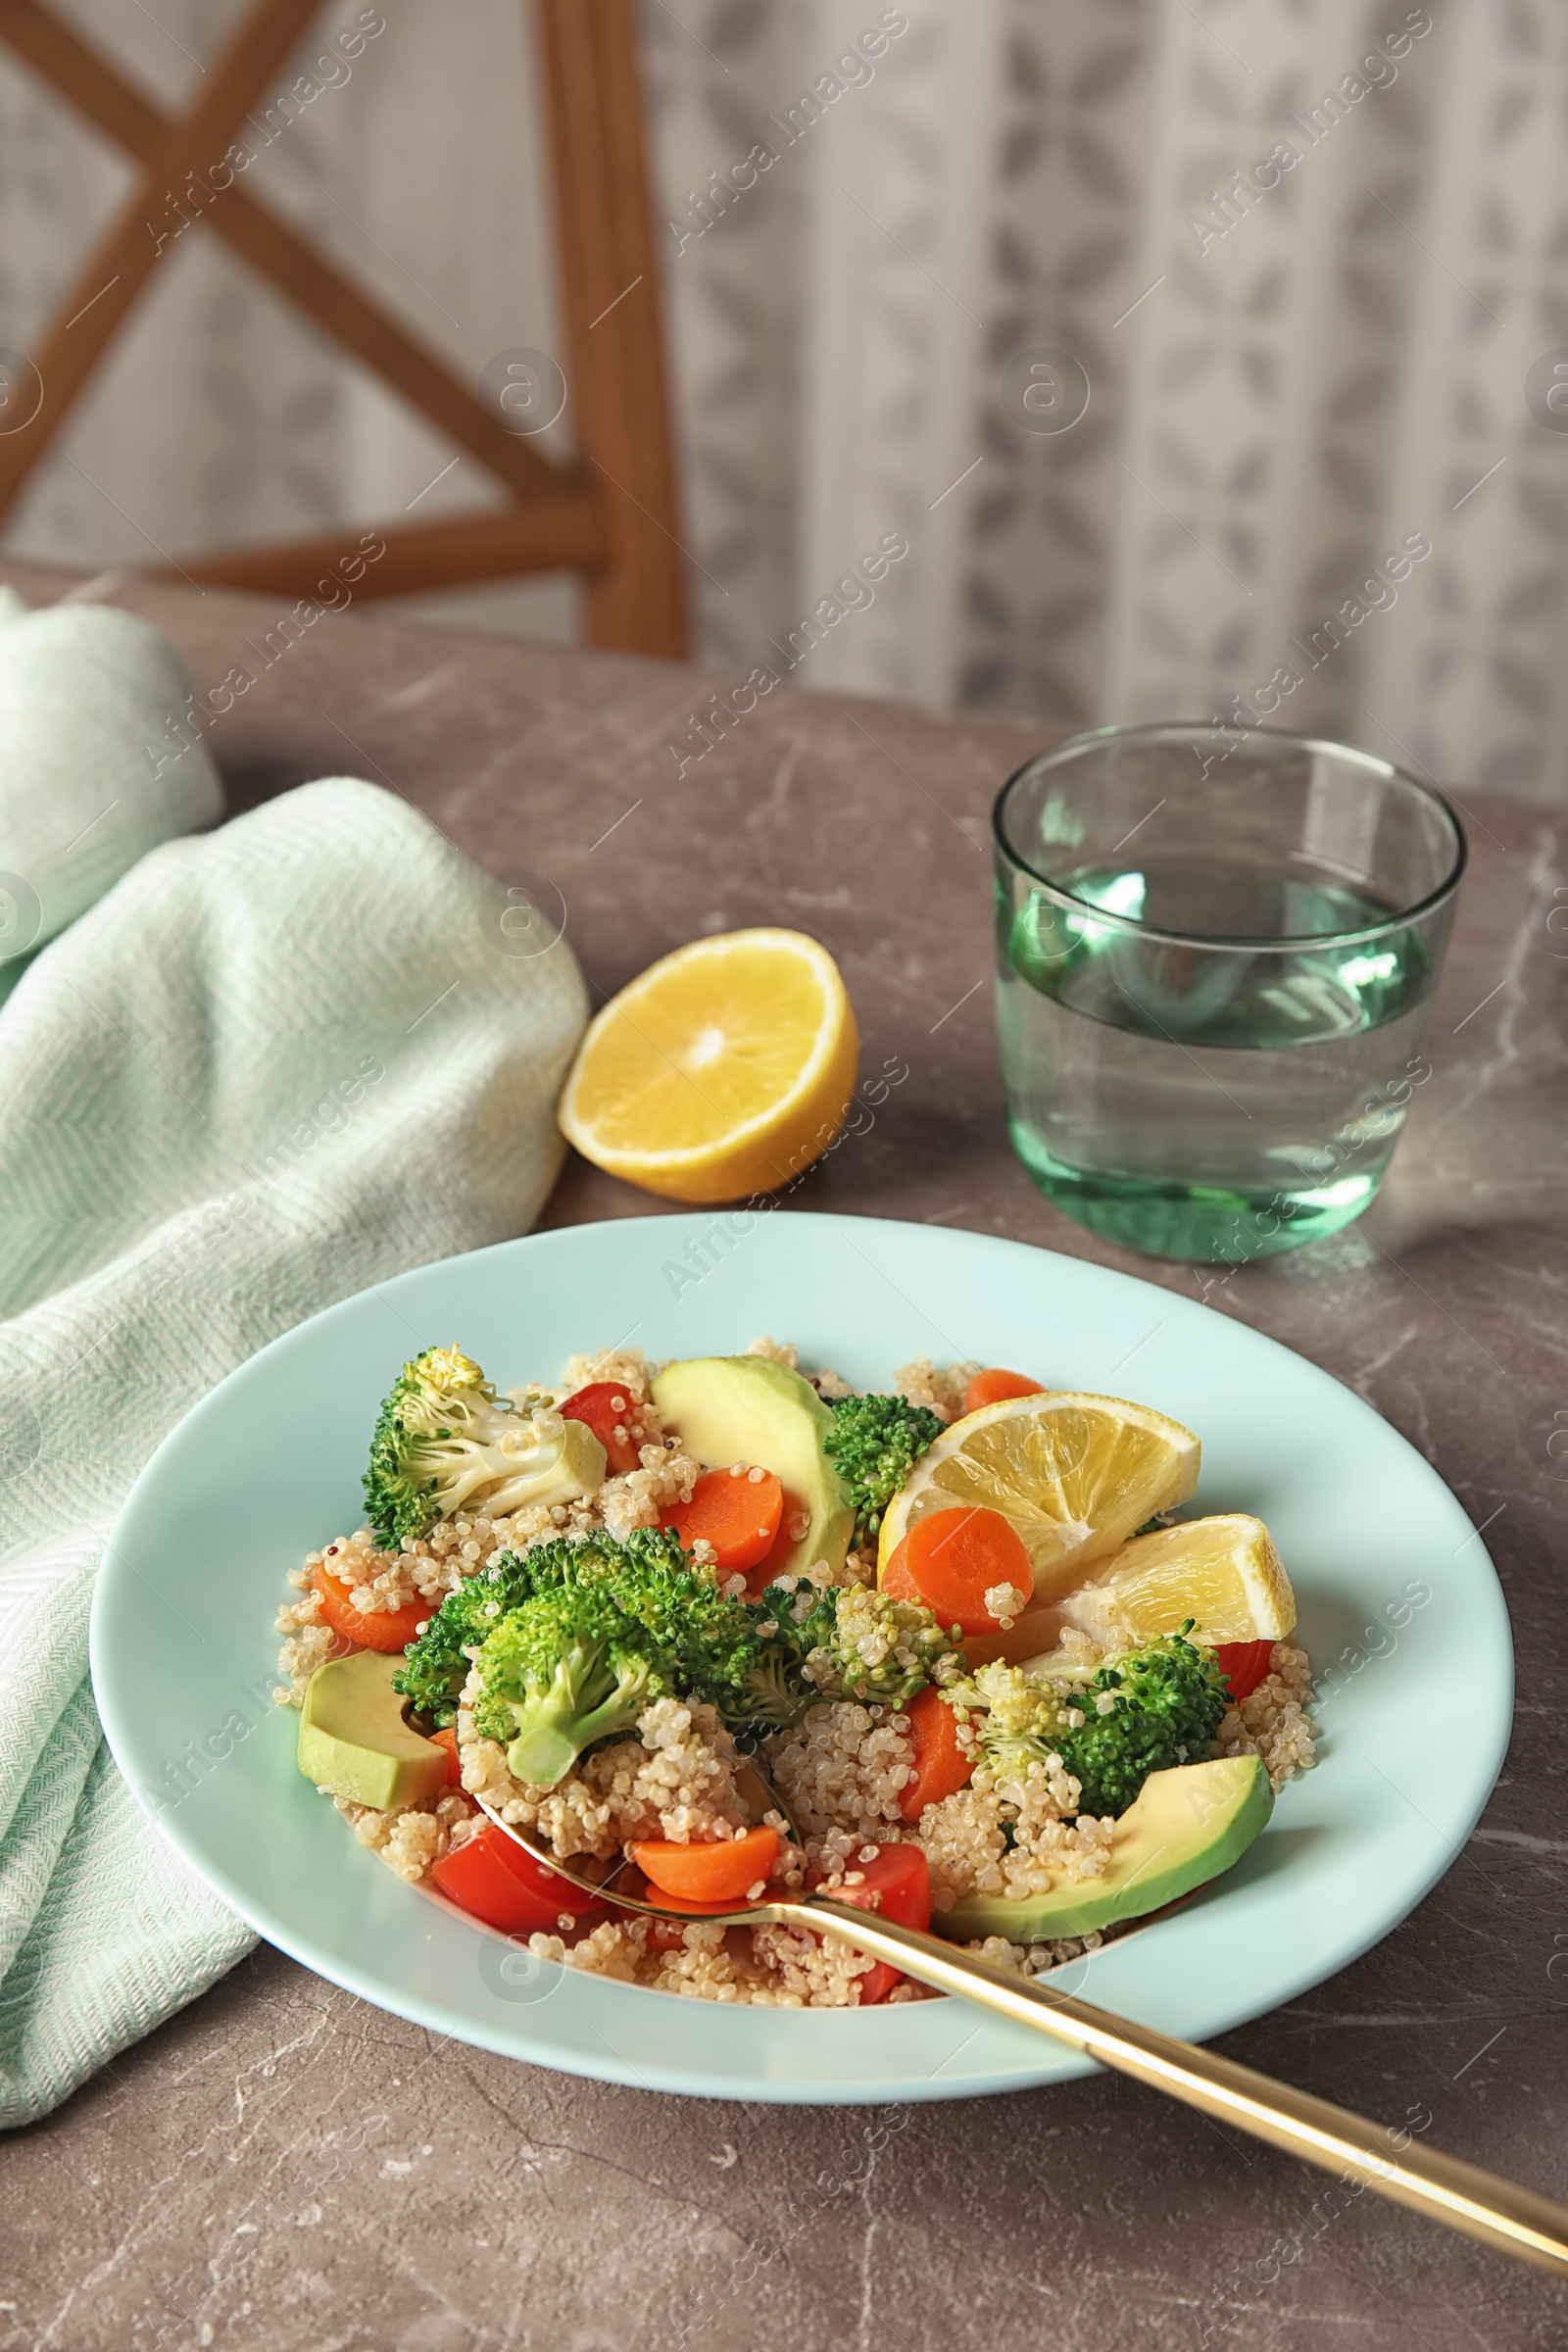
(269, 1067)
(96, 761)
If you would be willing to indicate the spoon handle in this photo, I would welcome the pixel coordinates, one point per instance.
(1479, 2204)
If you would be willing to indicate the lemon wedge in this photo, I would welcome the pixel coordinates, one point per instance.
(723, 1071)
(1074, 1474)
(1223, 1572)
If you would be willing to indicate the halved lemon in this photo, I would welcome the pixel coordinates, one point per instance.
(1223, 1572)
(1074, 1474)
(723, 1071)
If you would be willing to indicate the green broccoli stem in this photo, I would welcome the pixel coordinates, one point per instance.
(554, 1728)
(543, 1752)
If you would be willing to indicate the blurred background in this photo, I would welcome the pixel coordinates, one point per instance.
(1166, 333)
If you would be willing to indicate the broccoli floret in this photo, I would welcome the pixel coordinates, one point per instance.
(789, 1621)
(838, 1641)
(567, 1668)
(711, 1638)
(1137, 1714)
(706, 1642)
(874, 1444)
(772, 1697)
(435, 1667)
(646, 1604)
(444, 1439)
(848, 1643)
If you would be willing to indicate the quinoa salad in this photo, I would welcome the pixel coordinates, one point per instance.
(962, 1623)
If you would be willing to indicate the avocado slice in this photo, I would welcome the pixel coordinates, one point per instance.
(1185, 1827)
(746, 1408)
(354, 1741)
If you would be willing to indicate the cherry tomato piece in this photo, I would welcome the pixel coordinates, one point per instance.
(897, 1884)
(1247, 1663)
(603, 1406)
(493, 1878)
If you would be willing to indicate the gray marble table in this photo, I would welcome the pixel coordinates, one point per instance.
(284, 2169)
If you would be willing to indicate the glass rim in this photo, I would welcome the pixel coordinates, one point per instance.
(1217, 943)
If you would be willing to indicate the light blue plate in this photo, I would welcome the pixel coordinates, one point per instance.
(1393, 1583)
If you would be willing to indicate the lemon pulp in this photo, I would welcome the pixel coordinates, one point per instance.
(723, 1071)
(1224, 1573)
(1074, 1474)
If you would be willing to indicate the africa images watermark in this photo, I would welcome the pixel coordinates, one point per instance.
(1378, 1123)
(333, 594)
(852, 71)
(1377, 1640)
(854, 593)
(803, 2209)
(1377, 593)
(726, 1228)
(1244, 192)
(1232, 2300)
(199, 191)
(184, 1773)
(214, 1221)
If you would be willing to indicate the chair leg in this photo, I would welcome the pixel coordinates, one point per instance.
(608, 294)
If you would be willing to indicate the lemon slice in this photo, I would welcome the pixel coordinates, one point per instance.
(723, 1070)
(1074, 1474)
(1224, 1572)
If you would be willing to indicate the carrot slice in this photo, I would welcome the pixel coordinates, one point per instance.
(448, 1739)
(738, 1511)
(688, 1908)
(368, 1629)
(942, 1767)
(991, 1388)
(723, 1872)
(952, 1560)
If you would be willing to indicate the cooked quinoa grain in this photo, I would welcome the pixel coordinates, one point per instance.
(1273, 1722)
(844, 1771)
(942, 1391)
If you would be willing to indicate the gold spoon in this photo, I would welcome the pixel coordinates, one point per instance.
(1479, 2204)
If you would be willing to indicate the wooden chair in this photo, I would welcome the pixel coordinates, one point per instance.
(610, 515)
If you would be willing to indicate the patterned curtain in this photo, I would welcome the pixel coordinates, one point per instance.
(1093, 359)
(1312, 256)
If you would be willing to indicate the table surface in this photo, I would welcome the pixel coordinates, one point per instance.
(282, 2166)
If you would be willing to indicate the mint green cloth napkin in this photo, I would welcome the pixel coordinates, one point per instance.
(269, 1068)
(97, 762)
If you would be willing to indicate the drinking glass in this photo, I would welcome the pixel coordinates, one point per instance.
(1216, 953)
